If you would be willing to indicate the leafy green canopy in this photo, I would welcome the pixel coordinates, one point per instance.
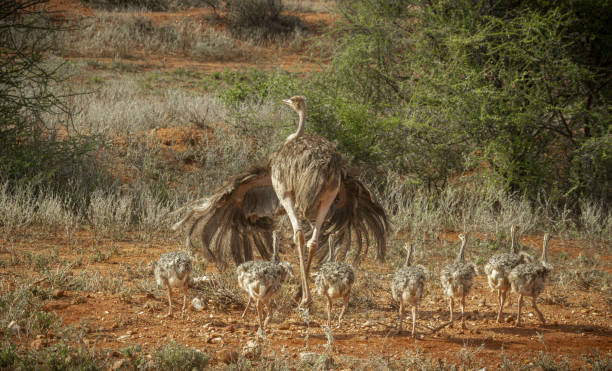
(433, 88)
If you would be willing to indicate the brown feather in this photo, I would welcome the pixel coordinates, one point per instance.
(306, 166)
(237, 220)
(356, 213)
(239, 217)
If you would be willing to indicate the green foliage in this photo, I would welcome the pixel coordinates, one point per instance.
(249, 84)
(177, 357)
(441, 87)
(259, 20)
(598, 361)
(591, 168)
(8, 355)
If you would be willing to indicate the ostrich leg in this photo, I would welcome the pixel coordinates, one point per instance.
(169, 300)
(247, 307)
(325, 201)
(414, 315)
(298, 237)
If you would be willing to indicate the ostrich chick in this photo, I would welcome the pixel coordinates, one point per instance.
(499, 266)
(335, 280)
(262, 280)
(173, 269)
(529, 279)
(457, 279)
(407, 288)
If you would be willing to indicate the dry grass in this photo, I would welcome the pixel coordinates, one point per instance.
(130, 34)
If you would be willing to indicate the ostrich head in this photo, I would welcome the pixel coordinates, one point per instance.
(461, 254)
(297, 102)
(462, 237)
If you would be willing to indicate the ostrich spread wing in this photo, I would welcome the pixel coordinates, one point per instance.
(235, 220)
(355, 214)
(239, 218)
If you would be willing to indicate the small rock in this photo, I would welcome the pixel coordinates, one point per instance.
(14, 327)
(509, 319)
(227, 356)
(201, 279)
(123, 337)
(37, 344)
(251, 349)
(483, 303)
(214, 339)
(58, 293)
(197, 304)
(117, 364)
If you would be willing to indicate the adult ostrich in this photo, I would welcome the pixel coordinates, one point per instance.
(309, 179)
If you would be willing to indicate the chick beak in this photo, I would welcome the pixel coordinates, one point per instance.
(287, 101)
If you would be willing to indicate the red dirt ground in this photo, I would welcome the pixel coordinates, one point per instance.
(576, 328)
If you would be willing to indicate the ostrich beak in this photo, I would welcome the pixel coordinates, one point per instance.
(287, 101)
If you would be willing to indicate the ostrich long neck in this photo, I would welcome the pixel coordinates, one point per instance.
(545, 248)
(514, 244)
(408, 257)
(300, 128)
(461, 255)
(275, 255)
(331, 248)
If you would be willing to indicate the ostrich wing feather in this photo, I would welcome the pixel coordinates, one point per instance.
(239, 218)
(356, 214)
(235, 220)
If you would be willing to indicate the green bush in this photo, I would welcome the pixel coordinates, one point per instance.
(37, 143)
(259, 20)
(519, 90)
(591, 170)
(178, 357)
